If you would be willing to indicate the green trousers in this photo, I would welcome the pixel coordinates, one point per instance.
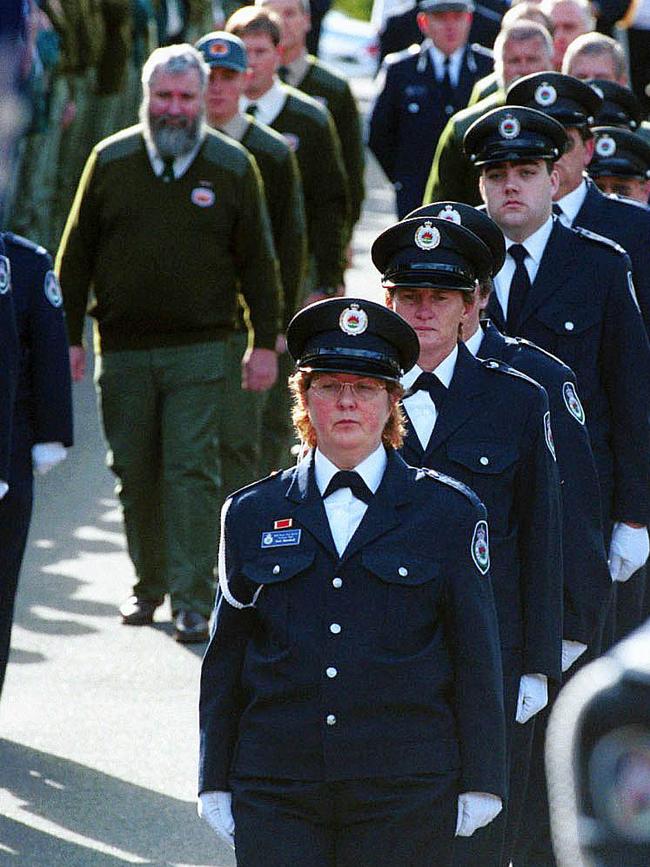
(161, 412)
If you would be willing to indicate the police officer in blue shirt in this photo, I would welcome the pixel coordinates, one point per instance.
(489, 426)
(42, 410)
(8, 366)
(351, 707)
(420, 88)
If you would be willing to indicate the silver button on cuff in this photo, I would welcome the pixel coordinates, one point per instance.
(331, 672)
(330, 719)
(336, 582)
(403, 571)
(335, 628)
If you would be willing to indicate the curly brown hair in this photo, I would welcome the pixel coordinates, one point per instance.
(299, 382)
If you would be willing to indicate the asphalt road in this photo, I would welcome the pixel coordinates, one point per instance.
(98, 721)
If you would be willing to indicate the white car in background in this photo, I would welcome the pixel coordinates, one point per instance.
(349, 46)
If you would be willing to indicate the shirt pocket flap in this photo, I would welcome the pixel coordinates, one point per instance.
(568, 320)
(394, 568)
(486, 458)
(280, 567)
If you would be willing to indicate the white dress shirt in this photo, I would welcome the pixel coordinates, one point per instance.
(535, 245)
(455, 63)
(269, 105)
(344, 511)
(181, 164)
(571, 204)
(473, 343)
(420, 408)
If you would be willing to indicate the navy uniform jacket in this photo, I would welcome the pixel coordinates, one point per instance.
(581, 309)
(43, 408)
(490, 433)
(587, 583)
(408, 117)
(8, 362)
(412, 681)
(628, 225)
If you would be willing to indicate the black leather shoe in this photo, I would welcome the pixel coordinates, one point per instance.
(190, 627)
(138, 612)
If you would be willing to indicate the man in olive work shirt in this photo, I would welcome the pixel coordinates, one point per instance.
(168, 225)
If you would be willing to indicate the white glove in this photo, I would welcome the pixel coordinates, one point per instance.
(475, 810)
(571, 650)
(215, 808)
(533, 696)
(4, 487)
(628, 550)
(47, 455)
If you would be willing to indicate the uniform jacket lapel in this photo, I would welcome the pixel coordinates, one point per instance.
(591, 207)
(558, 263)
(308, 504)
(493, 342)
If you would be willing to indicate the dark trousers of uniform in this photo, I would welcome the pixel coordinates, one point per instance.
(491, 846)
(382, 822)
(15, 516)
(160, 410)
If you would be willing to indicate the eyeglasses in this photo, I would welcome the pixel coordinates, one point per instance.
(331, 390)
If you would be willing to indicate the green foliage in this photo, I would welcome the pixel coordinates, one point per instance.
(354, 8)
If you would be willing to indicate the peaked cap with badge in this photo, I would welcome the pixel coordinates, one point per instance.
(352, 335)
(567, 99)
(514, 133)
(619, 107)
(429, 252)
(470, 218)
(619, 152)
(445, 6)
(224, 50)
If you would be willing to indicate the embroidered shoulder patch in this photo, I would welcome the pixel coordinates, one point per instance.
(572, 402)
(481, 547)
(52, 289)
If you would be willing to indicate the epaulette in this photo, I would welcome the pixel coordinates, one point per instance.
(450, 482)
(502, 367)
(477, 48)
(538, 350)
(599, 239)
(396, 56)
(626, 200)
(19, 241)
(252, 485)
(120, 145)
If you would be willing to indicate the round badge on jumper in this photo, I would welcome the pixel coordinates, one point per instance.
(605, 146)
(545, 94)
(353, 320)
(427, 237)
(450, 214)
(203, 197)
(509, 127)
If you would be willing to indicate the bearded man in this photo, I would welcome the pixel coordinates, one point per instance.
(169, 223)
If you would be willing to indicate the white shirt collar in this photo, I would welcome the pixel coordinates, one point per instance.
(296, 70)
(236, 127)
(572, 202)
(270, 104)
(371, 469)
(444, 371)
(181, 164)
(455, 60)
(535, 244)
(473, 343)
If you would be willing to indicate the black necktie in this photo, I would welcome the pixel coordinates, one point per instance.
(251, 109)
(519, 289)
(283, 73)
(168, 170)
(429, 382)
(557, 210)
(349, 479)
(446, 89)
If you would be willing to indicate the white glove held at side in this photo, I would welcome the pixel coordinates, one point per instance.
(475, 810)
(47, 455)
(4, 487)
(533, 696)
(215, 808)
(628, 551)
(571, 650)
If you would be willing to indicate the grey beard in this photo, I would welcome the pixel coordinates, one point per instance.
(172, 142)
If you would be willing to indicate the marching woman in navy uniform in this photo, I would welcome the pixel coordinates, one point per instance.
(489, 426)
(351, 705)
(42, 411)
(8, 366)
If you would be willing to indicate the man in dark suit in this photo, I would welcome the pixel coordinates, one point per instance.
(420, 89)
(568, 291)
(346, 583)
(488, 426)
(42, 410)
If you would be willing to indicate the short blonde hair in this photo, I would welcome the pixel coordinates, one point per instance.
(299, 382)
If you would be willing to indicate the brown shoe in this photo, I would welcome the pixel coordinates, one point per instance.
(138, 612)
(190, 627)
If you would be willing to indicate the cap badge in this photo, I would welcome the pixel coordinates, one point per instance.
(218, 49)
(450, 214)
(427, 237)
(545, 94)
(509, 127)
(605, 146)
(353, 320)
